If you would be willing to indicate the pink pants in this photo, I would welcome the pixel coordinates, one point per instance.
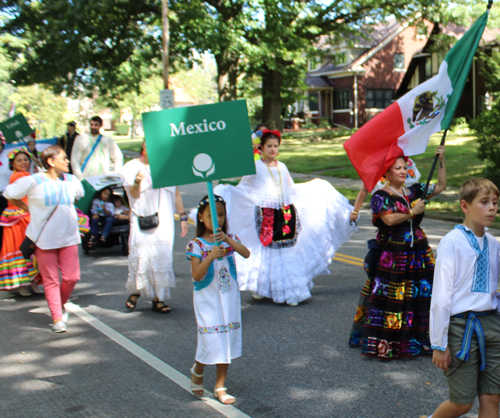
(49, 263)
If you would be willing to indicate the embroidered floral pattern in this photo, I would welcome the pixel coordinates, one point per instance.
(386, 259)
(224, 281)
(220, 329)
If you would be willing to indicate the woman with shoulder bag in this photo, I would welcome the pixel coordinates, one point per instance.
(53, 228)
(151, 238)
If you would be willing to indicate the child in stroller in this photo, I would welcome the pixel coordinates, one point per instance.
(102, 211)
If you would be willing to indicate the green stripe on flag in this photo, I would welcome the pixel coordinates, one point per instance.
(459, 61)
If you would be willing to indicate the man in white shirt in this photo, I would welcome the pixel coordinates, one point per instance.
(464, 322)
(92, 153)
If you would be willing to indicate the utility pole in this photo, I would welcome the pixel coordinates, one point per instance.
(166, 39)
(166, 95)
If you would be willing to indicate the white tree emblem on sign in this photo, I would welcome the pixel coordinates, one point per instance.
(203, 166)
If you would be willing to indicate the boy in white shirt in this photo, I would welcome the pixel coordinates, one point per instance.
(464, 322)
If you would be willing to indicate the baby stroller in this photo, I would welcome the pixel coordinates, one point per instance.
(121, 228)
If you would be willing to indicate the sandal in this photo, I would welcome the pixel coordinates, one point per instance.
(194, 386)
(161, 309)
(130, 304)
(223, 398)
(92, 242)
(103, 240)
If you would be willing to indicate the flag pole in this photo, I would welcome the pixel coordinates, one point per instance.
(436, 157)
(213, 210)
(488, 7)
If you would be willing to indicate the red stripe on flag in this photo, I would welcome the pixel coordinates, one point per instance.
(374, 147)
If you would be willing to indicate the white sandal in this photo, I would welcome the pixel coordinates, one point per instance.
(223, 398)
(195, 386)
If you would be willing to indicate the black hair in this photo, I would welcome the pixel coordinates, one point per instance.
(259, 127)
(99, 192)
(96, 119)
(200, 226)
(267, 136)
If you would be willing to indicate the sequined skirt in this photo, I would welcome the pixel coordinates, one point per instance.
(392, 317)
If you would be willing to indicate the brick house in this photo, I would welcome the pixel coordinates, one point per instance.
(355, 82)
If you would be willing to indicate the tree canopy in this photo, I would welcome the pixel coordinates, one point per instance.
(113, 45)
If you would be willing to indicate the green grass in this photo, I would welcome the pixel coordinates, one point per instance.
(328, 157)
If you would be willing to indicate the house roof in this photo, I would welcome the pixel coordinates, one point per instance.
(318, 82)
(378, 36)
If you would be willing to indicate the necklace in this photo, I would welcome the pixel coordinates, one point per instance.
(409, 208)
(277, 182)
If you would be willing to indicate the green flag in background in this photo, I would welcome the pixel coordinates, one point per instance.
(199, 143)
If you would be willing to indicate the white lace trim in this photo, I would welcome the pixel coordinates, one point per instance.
(262, 190)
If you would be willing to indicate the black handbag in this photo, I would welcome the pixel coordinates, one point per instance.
(148, 222)
(27, 248)
(151, 221)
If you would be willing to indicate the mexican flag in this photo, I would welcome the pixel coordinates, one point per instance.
(405, 126)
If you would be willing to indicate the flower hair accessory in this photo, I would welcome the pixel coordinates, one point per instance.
(206, 201)
(268, 131)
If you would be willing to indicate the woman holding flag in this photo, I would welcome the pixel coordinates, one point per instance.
(392, 318)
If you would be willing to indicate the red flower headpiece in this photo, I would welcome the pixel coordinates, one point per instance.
(268, 131)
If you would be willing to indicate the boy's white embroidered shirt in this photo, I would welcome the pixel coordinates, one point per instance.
(453, 278)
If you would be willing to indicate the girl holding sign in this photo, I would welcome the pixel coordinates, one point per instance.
(216, 297)
(292, 231)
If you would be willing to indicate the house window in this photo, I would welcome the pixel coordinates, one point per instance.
(340, 58)
(428, 68)
(399, 61)
(314, 63)
(378, 99)
(341, 99)
(437, 59)
(313, 102)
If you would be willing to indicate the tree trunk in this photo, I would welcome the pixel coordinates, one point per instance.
(271, 98)
(227, 75)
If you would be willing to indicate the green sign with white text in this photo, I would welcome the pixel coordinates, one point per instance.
(199, 143)
(16, 128)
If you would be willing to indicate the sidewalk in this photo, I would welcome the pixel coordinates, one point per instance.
(449, 195)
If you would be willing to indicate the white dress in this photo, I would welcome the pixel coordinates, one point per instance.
(284, 270)
(216, 300)
(150, 268)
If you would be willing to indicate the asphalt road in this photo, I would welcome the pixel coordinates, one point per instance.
(295, 363)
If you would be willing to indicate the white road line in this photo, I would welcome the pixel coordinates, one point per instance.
(166, 370)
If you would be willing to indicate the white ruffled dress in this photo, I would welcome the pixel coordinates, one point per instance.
(285, 273)
(150, 270)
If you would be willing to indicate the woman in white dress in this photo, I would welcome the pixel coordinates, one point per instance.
(150, 263)
(292, 231)
(216, 298)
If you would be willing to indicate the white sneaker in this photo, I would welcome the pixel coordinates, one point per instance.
(293, 303)
(37, 288)
(65, 315)
(23, 291)
(58, 327)
(257, 296)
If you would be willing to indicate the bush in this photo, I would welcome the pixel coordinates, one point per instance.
(487, 130)
(459, 124)
(122, 128)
